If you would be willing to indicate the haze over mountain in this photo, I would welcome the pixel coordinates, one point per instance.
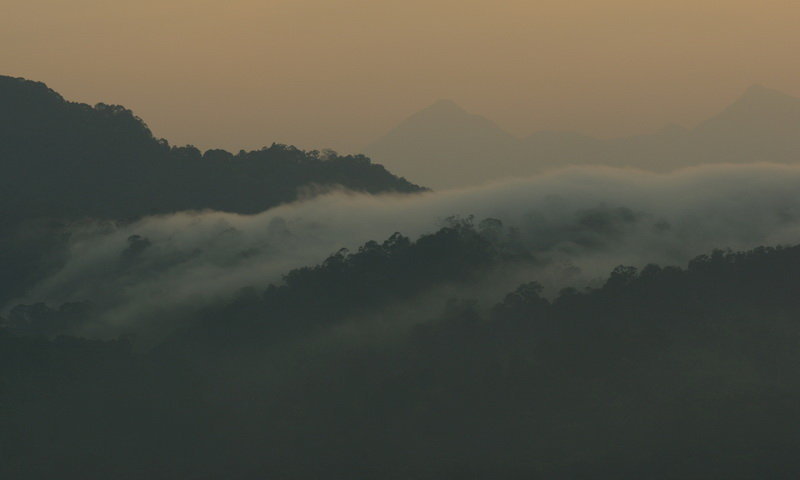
(445, 146)
(568, 329)
(435, 142)
(62, 161)
(613, 296)
(405, 359)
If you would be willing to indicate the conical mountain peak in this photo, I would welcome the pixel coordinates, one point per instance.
(446, 118)
(758, 106)
(445, 105)
(759, 95)
(443, 144)
(441, 110)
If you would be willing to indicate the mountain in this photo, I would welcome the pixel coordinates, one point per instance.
(457, 148)
(688, 372)
(759, 108)
(64, 161)
(443, 144)
(60, 159)
(762, 125)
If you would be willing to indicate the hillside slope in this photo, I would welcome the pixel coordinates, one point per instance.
(60, 159)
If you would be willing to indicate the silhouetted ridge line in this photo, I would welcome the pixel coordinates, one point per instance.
(64, 161)
(70, 160)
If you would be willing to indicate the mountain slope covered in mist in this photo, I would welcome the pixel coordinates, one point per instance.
(664, 373)
(577, 224)
(392, 336)
(62, 161)
(459, 148)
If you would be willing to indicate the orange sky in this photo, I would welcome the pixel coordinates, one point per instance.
(339, 73)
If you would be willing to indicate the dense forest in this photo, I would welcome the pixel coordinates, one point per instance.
(172, 314)
(663, 372)
(63, 162)
(104, 162)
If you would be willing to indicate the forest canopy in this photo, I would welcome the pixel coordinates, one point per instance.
(103, 162)
(280, 313)
(684, 371)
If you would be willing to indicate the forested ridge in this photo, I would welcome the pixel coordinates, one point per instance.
(235, 243)
(63, 162)
(172, 314)
(70, 160)
(663, 372)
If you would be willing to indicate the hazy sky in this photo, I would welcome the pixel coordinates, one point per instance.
(339, 73)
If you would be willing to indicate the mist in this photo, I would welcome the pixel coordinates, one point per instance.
(578, 223)
(421, 240)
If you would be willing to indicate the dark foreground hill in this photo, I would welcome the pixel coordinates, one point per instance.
(663, 373)
(60, 159)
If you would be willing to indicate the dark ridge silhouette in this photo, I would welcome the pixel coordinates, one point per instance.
(444, 146)
(62, 161)
(661, 373)
(70, 160)
(347, 285)
(407, 358)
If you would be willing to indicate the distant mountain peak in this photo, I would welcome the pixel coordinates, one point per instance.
(760, 95)
(445, 117)
(441, 109)
(757, 88)
(443, 144)
(759, 106)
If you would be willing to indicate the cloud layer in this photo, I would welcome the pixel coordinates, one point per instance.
(585, 219)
